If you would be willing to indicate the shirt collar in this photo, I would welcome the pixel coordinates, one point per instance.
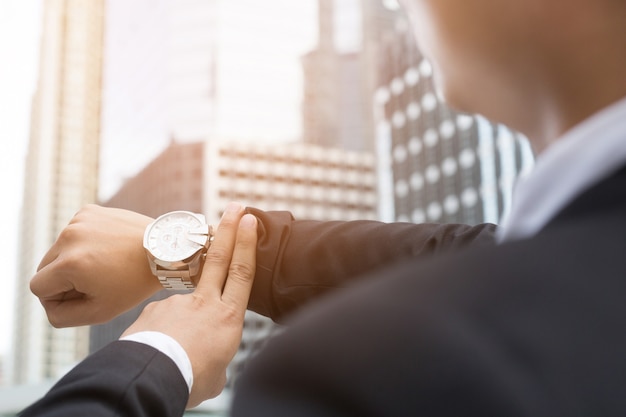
(586, 154)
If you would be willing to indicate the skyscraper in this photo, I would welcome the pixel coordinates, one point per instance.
(61, 173)
(339, 85)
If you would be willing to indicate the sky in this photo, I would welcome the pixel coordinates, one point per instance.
(20, 27)
(19, 38)
(258, 75)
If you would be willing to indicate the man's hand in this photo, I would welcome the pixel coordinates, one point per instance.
(208, 322)
(97, 268)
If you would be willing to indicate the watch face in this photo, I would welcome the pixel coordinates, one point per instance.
(171, 236)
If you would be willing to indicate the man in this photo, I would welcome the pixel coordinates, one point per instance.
(532, 327)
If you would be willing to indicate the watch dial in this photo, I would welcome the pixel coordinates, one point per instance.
(169, 238)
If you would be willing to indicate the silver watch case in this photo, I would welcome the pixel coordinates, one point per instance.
(178, 273)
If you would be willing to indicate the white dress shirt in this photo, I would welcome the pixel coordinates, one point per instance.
(585, 155)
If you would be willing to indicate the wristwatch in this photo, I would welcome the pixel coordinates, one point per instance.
(176, 244)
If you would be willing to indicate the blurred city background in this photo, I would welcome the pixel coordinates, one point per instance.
(325, 108)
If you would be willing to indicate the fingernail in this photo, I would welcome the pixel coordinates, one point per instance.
(248, 221)
(233, 208)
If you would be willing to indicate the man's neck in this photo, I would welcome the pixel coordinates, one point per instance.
(573, 71)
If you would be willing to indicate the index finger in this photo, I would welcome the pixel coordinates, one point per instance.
(240, 274)
(243, 265)
(219, 255)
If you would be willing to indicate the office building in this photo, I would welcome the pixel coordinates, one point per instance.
(336, 105)
(61, 174)
(172, 181)
(341, 74)
(311, 181)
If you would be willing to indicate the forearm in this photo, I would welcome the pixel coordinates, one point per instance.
(298, 261)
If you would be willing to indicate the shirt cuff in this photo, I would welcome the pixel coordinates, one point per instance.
(169, 347)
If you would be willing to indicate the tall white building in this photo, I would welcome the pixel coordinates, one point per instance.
(340, 77)
(61, 173)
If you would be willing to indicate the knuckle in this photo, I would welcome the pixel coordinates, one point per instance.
(241, 271)
(35, 286)
(199, 300)
(55, 321)
(69, 262)
(217, 255)
(231, 317)
(70, 233)
(227, 223)
(173, 299)
(84, 211)
(151, 306)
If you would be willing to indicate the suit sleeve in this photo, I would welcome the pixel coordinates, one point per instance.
(122, 379)
(398, 346)
(301, 260)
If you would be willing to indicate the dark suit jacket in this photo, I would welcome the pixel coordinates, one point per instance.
(531, 328)
(122, 379)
